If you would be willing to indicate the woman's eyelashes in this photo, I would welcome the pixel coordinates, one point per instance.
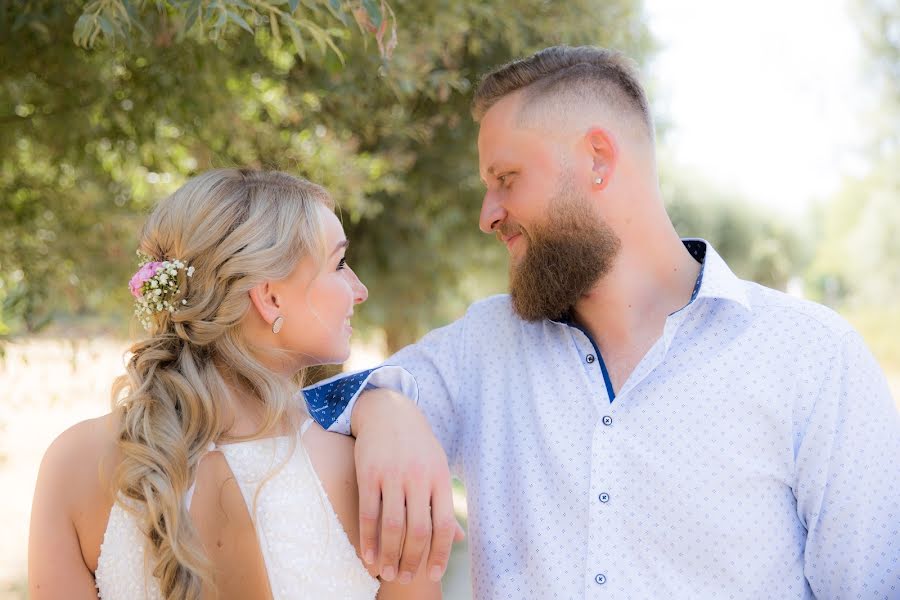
(342, 263)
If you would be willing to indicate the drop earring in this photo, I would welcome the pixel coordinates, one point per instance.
(277, 323)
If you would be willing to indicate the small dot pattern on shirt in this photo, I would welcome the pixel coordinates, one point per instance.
(752, 453)
(328, 399)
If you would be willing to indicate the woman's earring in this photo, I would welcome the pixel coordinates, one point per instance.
(599, 181)
(277, 323)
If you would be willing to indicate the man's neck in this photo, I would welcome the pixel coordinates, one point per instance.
(629, 306)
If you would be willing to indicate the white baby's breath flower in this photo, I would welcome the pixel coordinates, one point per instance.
(158, 292)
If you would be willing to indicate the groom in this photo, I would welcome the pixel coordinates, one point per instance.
(632, 420)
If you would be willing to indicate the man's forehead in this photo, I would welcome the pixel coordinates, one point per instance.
(499, 138)
(503, 148)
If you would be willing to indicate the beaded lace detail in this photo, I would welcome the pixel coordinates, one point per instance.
(306, 551)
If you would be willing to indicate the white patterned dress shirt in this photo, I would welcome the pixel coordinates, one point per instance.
(754, 452)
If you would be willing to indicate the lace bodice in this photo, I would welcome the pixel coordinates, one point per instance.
(306, 551)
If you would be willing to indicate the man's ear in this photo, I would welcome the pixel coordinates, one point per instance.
(265, 301)
(604, 155)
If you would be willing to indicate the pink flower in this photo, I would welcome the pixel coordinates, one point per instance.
(147, 271)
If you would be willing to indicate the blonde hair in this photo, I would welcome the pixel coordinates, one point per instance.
(237, 228)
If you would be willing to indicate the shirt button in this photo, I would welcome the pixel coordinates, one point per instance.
(590, 358)
(607, 420)
(600, 578)
(604, 497)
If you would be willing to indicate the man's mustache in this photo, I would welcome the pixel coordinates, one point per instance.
(507, 229)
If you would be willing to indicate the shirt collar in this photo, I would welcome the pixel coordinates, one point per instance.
(716, 279)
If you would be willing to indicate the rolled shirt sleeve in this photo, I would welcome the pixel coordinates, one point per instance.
(428, 372)
(331, 401)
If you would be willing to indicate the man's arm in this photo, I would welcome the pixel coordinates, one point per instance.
(404, 488)
(402, 470)
(848, 481)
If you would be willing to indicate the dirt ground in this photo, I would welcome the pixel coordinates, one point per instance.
(47, 385)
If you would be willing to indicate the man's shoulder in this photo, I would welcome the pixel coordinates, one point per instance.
(495, 316)
(498, 306)
(785, 311)
(488, 318)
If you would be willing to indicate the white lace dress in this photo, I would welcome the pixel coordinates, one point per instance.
(306, 551)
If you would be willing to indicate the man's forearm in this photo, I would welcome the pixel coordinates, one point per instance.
(405, 501)
(378, 402)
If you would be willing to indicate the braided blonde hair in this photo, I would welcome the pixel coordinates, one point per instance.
(238, 228)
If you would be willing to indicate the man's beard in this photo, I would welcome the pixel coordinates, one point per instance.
(564, 259)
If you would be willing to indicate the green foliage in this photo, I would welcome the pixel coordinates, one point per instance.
(857, 262)
(123, 20)
(757, 245)
(878, 23)
(94, 136)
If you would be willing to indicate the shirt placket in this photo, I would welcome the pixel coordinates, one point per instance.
(602, 530)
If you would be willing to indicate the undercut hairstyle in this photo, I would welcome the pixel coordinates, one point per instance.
(554, 77)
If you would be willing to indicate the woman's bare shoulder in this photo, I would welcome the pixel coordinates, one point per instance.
(332, 456)
(331, 450)
(75, 480)
(84, 456)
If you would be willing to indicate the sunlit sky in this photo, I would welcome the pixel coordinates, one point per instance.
(765, 97)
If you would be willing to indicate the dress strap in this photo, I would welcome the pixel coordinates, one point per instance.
(190, 493)
(305, 425)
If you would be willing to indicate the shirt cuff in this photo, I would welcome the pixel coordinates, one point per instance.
(330, 402)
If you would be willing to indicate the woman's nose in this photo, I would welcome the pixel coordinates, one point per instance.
(360, 291)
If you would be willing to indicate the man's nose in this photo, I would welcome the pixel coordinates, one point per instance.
(492, 212)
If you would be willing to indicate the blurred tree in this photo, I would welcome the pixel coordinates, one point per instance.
(857, 262)
(89, 139)
(756, 244)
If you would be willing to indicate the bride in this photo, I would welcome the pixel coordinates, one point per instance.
(207, 479)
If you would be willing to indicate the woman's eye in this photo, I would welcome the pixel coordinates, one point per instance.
(342, 263)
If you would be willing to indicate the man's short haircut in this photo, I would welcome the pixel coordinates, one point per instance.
(560, 72)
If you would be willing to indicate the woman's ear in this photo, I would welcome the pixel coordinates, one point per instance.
(265, 301)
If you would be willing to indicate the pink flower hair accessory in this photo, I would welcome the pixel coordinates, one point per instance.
(156, 286)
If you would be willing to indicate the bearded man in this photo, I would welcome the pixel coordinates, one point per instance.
(632, 420)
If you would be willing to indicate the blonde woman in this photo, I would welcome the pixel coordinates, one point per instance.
(207, 479)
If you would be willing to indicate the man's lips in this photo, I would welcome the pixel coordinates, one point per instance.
(510, 239)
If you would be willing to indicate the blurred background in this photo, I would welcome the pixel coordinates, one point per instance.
(779, 141)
